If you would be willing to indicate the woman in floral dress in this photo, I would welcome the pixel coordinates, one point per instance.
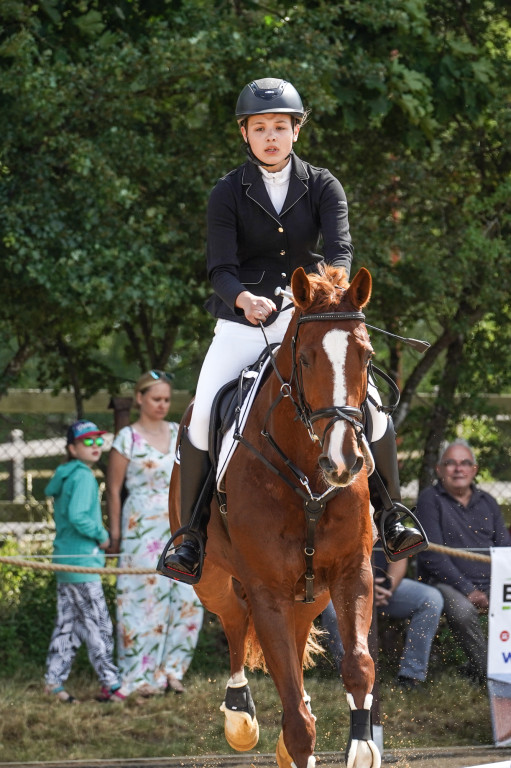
(158, 620)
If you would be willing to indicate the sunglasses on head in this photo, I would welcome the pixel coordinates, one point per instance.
(161, 375)
(90, 441)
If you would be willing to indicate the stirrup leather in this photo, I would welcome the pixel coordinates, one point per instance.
(174, 573)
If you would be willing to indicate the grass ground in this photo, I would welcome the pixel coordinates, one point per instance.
(34, 727)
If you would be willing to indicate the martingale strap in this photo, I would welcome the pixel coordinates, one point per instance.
(314, 508)
(313, 504)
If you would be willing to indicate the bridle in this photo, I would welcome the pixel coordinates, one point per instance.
(337, 413)
(302, 408)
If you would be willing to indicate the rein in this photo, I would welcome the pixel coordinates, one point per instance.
(314, 504)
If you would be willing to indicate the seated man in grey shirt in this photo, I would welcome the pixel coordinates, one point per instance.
(455, 513)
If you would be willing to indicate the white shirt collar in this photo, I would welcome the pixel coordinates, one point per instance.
(278, 177)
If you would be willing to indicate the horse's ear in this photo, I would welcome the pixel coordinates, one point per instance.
(359, 291)
(301, 288)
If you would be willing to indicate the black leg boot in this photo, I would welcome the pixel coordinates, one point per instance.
(398, 541)
(197, 483)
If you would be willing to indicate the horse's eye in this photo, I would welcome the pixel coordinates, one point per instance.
(304, 361)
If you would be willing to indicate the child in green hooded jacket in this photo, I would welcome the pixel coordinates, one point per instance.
(80, 540)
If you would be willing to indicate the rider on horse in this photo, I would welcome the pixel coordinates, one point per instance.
(265, 219)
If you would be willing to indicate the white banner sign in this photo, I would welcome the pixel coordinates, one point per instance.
(499, 619)
(499, 645)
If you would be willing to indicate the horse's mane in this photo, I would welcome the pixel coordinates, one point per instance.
(327, 287)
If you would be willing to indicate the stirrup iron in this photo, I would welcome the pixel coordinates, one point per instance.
(403, 513)
(174, 573)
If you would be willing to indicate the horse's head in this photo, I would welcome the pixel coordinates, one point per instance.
(332, 351)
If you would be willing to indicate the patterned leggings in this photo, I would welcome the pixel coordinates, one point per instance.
(82, 616)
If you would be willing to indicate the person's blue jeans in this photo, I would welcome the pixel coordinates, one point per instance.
(412, 600)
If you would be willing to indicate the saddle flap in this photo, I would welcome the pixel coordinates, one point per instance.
(234, 400)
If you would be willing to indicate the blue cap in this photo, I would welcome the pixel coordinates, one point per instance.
(82, 428)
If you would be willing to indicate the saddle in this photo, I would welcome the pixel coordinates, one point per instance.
(230, 409)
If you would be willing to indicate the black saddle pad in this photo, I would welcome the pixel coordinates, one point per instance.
(228, 400)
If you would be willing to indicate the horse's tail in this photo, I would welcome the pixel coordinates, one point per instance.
(313, 647)
(254, 657)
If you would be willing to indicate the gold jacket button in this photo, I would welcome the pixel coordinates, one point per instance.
(282, 253)
(280, 229)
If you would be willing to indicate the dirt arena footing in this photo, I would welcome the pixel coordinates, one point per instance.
(439, 757)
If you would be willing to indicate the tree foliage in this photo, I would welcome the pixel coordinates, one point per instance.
(116, 120)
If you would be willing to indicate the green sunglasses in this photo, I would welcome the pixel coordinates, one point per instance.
(90, 441)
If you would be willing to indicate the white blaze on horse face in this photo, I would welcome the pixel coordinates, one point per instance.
(335, 344)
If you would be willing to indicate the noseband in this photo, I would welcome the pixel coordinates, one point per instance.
(337, 413)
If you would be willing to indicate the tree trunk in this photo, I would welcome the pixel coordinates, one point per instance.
(66, 352)
(440, 413)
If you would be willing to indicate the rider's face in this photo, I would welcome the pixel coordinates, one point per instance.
(271, 138)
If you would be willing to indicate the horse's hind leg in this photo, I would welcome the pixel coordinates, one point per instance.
(241, 727)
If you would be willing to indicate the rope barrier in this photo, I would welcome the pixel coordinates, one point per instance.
(20, 562)
(75, 568)
(459, 553)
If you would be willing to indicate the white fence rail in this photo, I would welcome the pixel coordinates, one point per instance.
(18, 450)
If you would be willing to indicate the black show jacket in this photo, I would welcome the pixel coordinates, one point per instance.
(251, 247)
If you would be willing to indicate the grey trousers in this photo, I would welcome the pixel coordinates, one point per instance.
(463, 619)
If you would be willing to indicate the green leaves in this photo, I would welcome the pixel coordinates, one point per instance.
(116, 121)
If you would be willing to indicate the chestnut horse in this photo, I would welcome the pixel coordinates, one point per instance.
(298, 528)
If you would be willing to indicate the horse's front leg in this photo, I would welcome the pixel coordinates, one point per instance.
(274, 620)
(352, 595)
(217, 592)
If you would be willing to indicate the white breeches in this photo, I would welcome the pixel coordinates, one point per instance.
(235, 346)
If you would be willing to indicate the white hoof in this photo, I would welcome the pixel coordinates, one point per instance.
(241, 731)
(363, 754)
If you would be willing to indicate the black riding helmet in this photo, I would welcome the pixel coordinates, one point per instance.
(268, 95)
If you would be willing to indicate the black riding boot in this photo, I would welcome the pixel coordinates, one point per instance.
(398, 541)
(197, 481)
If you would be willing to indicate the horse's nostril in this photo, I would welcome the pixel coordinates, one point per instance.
(358, 465)
(325, 463)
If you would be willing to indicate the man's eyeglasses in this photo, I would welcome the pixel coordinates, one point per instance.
(161, 375)
(90, 441)
(465, 463)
